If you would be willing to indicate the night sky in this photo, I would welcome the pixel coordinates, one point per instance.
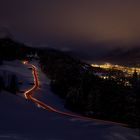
(73, 24)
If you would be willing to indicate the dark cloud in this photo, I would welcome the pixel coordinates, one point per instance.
(51, 21)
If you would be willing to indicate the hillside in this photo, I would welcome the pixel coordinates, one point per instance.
(21, 119)
(83, 91)
(88, 94)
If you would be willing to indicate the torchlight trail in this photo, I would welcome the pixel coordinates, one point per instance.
(28, 95)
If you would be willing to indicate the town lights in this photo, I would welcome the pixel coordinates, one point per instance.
(129, 70)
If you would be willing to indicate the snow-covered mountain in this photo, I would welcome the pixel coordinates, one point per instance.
(23, 120)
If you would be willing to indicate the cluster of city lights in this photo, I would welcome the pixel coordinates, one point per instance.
(129, 70)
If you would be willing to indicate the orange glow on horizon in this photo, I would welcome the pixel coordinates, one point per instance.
(25, 62)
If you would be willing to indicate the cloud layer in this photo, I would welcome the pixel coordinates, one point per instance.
(72, 20)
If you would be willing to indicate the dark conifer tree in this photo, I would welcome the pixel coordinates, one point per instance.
(13, 87)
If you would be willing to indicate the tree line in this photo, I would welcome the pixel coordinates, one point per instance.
(11, 84)
(88, 94)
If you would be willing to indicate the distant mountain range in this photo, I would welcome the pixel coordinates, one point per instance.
(129, 56)
(101, 52)
(10, 49)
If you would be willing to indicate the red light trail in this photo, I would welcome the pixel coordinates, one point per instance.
(28, 95)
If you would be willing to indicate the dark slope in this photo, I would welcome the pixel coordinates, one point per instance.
(10, 49)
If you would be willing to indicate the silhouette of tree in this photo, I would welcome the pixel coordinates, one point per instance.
(1, 62)
(13, 87)
(1, 83)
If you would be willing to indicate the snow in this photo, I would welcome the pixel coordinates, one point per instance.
(21, 119)
(16, 67)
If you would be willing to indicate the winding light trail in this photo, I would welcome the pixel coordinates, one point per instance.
(28, 95)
